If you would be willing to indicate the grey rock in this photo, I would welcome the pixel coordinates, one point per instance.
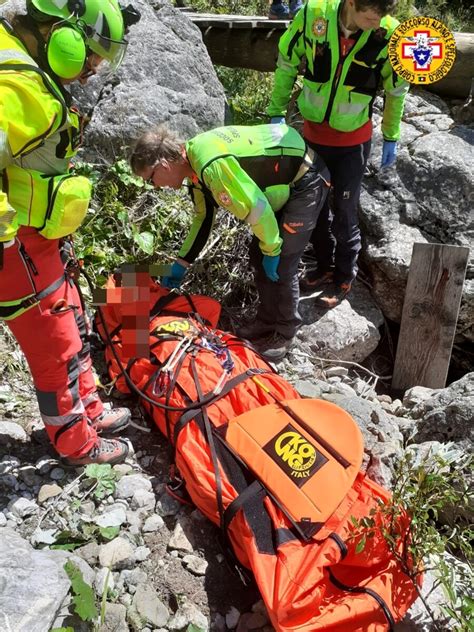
(89, 552)
(128, 485)
(8, 464)
(33, 584)
(115, 517)
(232, 618)
(141, 553)
(104, 581)
(347, 332)
(153, 523)
(116, 554)
(115, 618)
(408, 206)
(188, 614)
(167, 506)
(382, 437)
(179, 540)
(313, 389)
(3, 519)
(22, 508)
(416, 395)
(57, 474)
(43, 536)
(196, 565)
(10, 431)
(448, 415)
(134, 577)
(122, 468)
(179, 87)
(143, 498)
(149, 607)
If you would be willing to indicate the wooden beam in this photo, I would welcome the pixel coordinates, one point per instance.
(429, 316)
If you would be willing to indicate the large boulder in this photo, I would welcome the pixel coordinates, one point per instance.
(33, 584)
(350, 331)
(166, 77)
(427, 197)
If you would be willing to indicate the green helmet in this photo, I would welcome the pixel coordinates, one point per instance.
(100, 23)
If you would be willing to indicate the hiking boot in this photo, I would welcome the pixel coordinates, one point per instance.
(278, 11)
(110, 451)
(314, 280)
(274, 348)
(295, 6)
(112, 421)
(334, 295)
(254, 330)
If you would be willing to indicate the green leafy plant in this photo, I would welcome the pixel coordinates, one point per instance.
(103, 479)
(83, 596)
(431, 490)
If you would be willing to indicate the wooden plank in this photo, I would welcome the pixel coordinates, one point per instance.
(429, 317)
(242, 48)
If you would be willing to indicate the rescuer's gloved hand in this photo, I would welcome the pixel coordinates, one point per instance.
(277, 120)
(389, 153)
(176, 277)
(270, 265)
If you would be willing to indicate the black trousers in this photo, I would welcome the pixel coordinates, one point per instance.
(336, 239)
(278, 300)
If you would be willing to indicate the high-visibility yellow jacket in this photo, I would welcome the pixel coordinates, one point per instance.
(39, 134)
(343, 98)
(248, 170)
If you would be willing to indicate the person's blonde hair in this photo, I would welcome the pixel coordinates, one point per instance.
(155, 145)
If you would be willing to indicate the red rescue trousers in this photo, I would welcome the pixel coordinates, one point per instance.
(51, 334)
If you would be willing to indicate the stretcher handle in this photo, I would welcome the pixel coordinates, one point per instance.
(317, 437)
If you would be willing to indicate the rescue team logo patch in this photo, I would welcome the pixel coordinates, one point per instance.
(295, 455)
(422, 50)
(319, 27)
(173, 327)
(224, 198)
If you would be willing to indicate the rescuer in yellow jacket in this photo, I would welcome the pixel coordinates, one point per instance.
(344, 46)
(41, 203)
(266, 176)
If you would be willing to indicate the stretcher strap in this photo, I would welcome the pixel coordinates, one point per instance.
(210, 441)
(254, 491)
(231, 384)
(165, 300)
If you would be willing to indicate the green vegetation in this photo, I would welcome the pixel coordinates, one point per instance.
(433, 491)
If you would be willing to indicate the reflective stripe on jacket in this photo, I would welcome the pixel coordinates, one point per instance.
(248, 171)
(344, 98)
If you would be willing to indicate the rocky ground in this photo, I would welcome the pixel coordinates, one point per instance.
(155, 564)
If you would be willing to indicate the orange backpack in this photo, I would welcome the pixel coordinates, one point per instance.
(279, 475)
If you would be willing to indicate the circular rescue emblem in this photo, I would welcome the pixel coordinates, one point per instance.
(295, 451)
(422, 50)
(224, 198)
(319, 27)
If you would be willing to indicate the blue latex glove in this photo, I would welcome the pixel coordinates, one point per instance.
(270, 265)
(277, 120)
(176, 278)
(389, 153)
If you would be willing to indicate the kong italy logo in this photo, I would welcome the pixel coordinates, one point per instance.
(422, 50)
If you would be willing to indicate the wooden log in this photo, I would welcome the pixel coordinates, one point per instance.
(429, 316)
